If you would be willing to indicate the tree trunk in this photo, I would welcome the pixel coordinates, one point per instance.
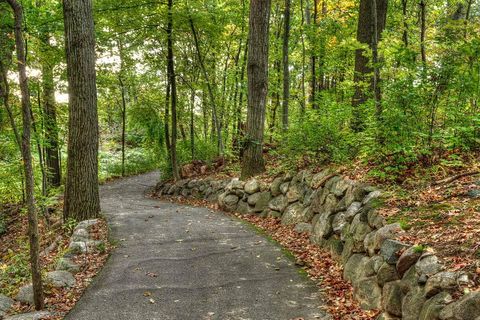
(192, 128)
(423, 29)
(173, 88)
(286, 71)
(257, 70)
(124, 121)
(168, 145)
(50, 123)
(27, 158)
(371, 23)
(216, 122)
(313, 63)
(82, 200)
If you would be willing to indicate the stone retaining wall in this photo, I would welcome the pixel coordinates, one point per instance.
(404, 281)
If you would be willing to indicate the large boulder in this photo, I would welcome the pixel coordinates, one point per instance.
(390, 250)
(368, 293)
(408, 258)
(5, 304)
(357, 267)
(294, 214)
(25, 294)
(428, 265)
(66, 264)
(413, 303)
(466, 308)
(319, 179)
(303, 227)
(275, 186)
(386, 273)
(432, 307)
(352, 210)
(442, 281)
(262, 201)
(392, 298)
(230, 202)
(60, 279)
(252, 186)
(279, 203)
(294, 193)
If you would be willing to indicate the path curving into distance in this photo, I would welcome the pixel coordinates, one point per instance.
(178, 262)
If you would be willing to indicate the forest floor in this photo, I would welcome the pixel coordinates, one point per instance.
(54, 241)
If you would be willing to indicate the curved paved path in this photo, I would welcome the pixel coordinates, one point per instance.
(179, 262)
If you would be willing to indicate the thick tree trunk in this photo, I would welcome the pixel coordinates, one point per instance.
(286, 71)
(27, 159)
(257, 69)
(166, 119)
(173, 87)
(371, 23)
(81, 191)
(50, 123)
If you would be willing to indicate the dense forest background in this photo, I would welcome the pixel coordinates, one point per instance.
(392, 84)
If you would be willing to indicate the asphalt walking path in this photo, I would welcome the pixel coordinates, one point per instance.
(178, 262)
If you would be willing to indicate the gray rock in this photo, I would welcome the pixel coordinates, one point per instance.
(408, 258)
(25, 294)
(368, 293)
(80, 234)
(323, 228)
(359, 231)
(428, 265)
(243, 207)
(235, 183)
(413, 303)
(390, 231)
(390, 250)
(60, 279)
(376, 263)
(331, 182)
(230, 202)
(339, 222)
(185, 192)
(278, 203)
(372, 196)
(294, 193)
(87, 224)
(284, 187)
(369, 243)
(432, 307)
(307, 197)
(303, 227)
(392, 298)
(357, 267)
(37, 315)
(474, 194)
(352, 210)
(272, 213)
(253, 198)
(294, 214)
(262, 201)
(5, 304)
(328, 207)
(386, 273)
(66, 264)
(319, 199)
(252, 186)
(442, 281)
(340, 187)
(319, 179)
(275, 186)
(468, 307)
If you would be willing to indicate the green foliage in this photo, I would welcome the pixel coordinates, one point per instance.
(69, 225)
(15, 268)
(419, 248)
(138, 160)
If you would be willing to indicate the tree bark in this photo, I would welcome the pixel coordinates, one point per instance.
(173, 88)
(257, 70)
(82, 200)
(286, 71)
(27, 158)
(423, 29)
(371, 23)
